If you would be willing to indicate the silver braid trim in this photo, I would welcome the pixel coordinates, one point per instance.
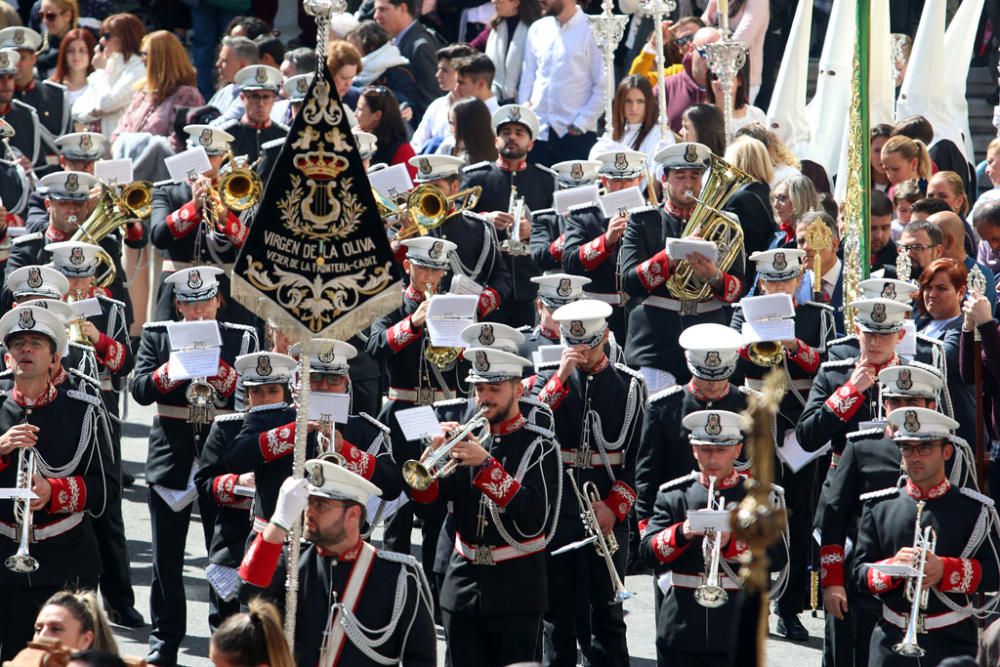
(521, 470)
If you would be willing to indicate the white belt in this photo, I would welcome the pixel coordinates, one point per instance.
(41, 533)
(576, 458)
(484, 555)
(798, 383)
(180, 411)
(925, 623)
(682, 307)
(614, 299)
(106, 384)
(424, 396)
(259, 524)
(180, 265)
(696, 580)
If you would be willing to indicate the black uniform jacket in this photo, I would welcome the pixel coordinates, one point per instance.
(248, 140)
(547, 239)
(478, 254)
(175, 228)
(586, 252)
(28, 131)
(174, 444)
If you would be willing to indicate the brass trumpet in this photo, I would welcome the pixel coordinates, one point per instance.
(200, 396)
(240, 187)
(766, 353)
(23, 562)
(438, 463)
(924, 541)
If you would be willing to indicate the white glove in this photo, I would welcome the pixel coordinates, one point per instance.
(292, 500)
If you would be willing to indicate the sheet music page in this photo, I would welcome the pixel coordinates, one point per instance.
(326, 406)
(391, 182)
(678, 249)
(767, 307)
(627, 199)
(195, 363)
(178, 499)
(703, 519)
(759, 332)
(114, 172)
(448, 315)
(418, 423)
(199, 333)
(463, 285)
(188, 165)
(563, 200)
(792, 454)
(224, 579)
(87, 307)
(908, 346)
(547, 354)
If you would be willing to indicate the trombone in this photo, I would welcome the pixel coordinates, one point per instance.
(711, 594)
(924, 541)
(420, 475)
(425, 208)
(23, 562)
(605, 544)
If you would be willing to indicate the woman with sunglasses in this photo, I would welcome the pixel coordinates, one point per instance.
(57, 18)
(118, 67)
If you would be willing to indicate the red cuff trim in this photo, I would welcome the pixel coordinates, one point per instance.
(134, 231)
(620, 499)
(223, 489)
(592, 254)
(4, 462)
(654, 271)
(225, 381)
(732, 287)
(182, 222)
(277, 442)
(845, 401)
(401, 334)
(357, 461)
(734, 548)
(260, 562)
(556, 248)
(879, 583)
(69, 494)
(831, 565)
(806, 358)
(235, 230)
(101, 346)
(489, 300)
(495, 482)
(961, 575)
(110, 352)
(161, 378)
(553, 393)
(642, 526)
(665, 544)
(426, 496)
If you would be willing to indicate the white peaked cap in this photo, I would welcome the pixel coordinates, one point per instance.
(959, 41)
(786, 116)
(828, 110)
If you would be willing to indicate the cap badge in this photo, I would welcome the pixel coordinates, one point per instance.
(565, 287)
(514, 114)
(911, 423)
(326, 355)
(302, 85)
(482, 364)
(621, 162)
(264, 365)
(72, 183)
(713, 426)
(436, 249)
(4, 59)
(86, 142)
(315, 475)
(194, 280)
(904, 380)
(576, 329)
(261, 75)
(576, 171)
(19, 37)
(780, 263)
(888, 291)
(878, 313)
(425, 166)
(713, 359)
(34, 277)
(691, 154)
(205, 138)
(486, 336)
(77, 257)
(26, 320)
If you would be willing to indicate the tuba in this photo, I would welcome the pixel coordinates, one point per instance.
(709, 223)
(22, 562)
(924, 541)
(711, 594)
(115, 210)
(420, 475)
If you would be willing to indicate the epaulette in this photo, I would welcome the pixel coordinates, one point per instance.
(576, 208)
(690, 477)
(235, 416)
(269, 407)
(476, 167)
(544, 211)
(736, 305)
(150, 325)
(54, 84)
(976, 495)
(450, 401)
(478, 217)
(663, 393)
(164, 183)
(525, 328)
(281, 126)
(838, 363)
(273, 143)
(403, 559)
(928, 339)
(630, 371)
(927, 367)
(864, 433)
(881, 493)
(817, 304)
(25, 238)
(642, 209)
(86, 398)
(229, 123)
(239, 327)
(376, 423)
(113, 302)
(77, 373)
(6, 373)
(540, 430)
(841, 341)
(547, 366)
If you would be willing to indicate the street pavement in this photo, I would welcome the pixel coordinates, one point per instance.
(194, 650)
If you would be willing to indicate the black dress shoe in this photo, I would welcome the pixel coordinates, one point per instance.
(128, 617)
(156, 657)
(791, 628)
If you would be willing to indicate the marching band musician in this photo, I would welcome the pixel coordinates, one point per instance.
(175, 443)
(554, 290)
(870, 462)
(175, 224)
(20, 116)
(687, 632)
(593, 241)
(516, 128)
(399, 339)
(779, 272)
(377, 606)
(107, 334)
(68, 474)
(266, 376)
(843, 393)
(597, 407)
(548, 225)
(77, 152)
(15, 187)
(68, 203)
(477, 255)
(646, 269)
(502, 494)
(259, 86)
(959, 556)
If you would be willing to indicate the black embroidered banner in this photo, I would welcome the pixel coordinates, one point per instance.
(316, 259)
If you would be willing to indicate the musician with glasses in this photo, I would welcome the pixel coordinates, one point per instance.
(70, 476)
(175, 440)
(259, 86)
(960, 554)
(681, 555)
(502, 492)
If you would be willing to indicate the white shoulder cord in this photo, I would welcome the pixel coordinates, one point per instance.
(521, 471)
(985, 528)
(458, 266)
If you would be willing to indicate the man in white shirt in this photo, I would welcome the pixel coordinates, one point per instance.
(475, 79)
(235, 54)
(434, 127)
(563, 82)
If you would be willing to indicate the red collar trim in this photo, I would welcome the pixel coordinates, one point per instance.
(349, 555)
(677, 211)
(27, 89)
(506, 166)
(263, 126)
(505, 428)
(413, 294)
(47, 397)
(934, 492)
(598, 367)
(5, 109)
(697, 393)
(60, 377)
(726, 483)
(548, 333)
(892, 362)
(54, 235)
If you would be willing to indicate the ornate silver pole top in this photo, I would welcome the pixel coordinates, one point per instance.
(324, 7)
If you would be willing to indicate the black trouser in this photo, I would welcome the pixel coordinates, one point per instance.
(18, 608)
(801, 490)
(167, 600)
(579, 581)
(885, 636)
(668, 657)
(844, 642)
(491, 641)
